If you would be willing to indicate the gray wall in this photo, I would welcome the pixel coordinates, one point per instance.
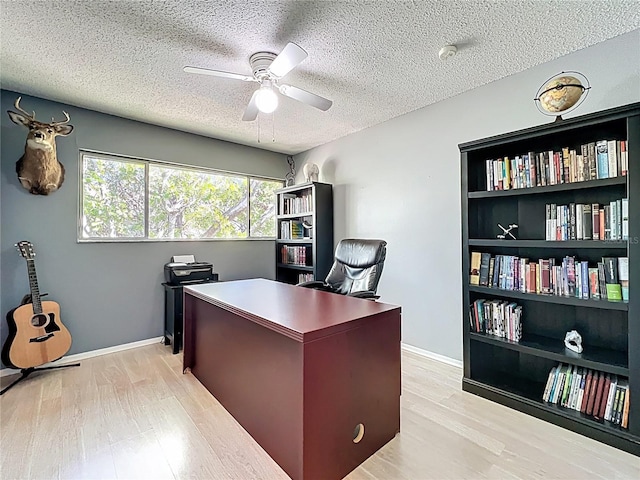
(110, 294)
(400, 180)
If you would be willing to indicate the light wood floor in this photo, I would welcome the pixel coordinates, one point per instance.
(133, 415)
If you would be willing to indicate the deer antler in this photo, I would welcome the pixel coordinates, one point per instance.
(53, 120)
(17, 105)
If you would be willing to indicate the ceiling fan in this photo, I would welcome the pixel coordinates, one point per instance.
(268, 68)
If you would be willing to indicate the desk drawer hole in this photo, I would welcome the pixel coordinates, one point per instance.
(358, 433)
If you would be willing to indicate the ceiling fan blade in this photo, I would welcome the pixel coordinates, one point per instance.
(290, 57)
(306, 97)
(251, 112)
(218, 73)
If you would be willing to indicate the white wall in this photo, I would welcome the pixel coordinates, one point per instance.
(400, 181)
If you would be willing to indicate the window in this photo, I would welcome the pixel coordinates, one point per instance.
(129, 199)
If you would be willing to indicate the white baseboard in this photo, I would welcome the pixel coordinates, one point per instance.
(431, 355)
(84, 355)
(119, 348)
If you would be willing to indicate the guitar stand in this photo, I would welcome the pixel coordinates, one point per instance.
(28, 371)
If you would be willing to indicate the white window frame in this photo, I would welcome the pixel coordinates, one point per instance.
(179, 166)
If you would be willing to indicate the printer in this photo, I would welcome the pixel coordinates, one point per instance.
(184, 270)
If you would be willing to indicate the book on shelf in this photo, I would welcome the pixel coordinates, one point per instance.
(599, 389)
(476, 259)
(624, 220)
(494, 317)
(484, 269)
(568, 277)
(624, 422)
(294, 255)
(594, 286)
(623, 277)
(305, 277)
(577, 221)
(610, 396)
(291, 230)
(595, 160)
(600, 395)
(613, 287)
(585, 391)
(291, 203)
(569, 380)
(602, 158)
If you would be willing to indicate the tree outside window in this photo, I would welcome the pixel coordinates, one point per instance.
(183, 203)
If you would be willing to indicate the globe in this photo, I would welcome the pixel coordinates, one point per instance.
(561, 94)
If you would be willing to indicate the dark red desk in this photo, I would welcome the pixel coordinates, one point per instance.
(299, 369)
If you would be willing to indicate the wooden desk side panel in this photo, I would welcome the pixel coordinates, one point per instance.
(351, 378)
(255, 373)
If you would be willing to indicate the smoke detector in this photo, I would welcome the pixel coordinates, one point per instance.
(447, 51)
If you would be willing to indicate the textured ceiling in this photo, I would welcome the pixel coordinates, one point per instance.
(375, 59)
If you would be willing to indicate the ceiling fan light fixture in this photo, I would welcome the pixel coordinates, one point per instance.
(266, 99)
(268, 68)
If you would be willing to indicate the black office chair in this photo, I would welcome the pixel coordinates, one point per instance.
(356, 269)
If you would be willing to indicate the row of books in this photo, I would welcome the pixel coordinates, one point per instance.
(292, 229)
(292, 203)
(601, 395)
(595, 160)
(608, 280)
(294, 255)
(495, 317)
(305, 277)
(578, 221)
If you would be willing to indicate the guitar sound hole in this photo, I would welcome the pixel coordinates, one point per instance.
(39, 320)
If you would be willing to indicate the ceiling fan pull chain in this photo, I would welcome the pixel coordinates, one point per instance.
(273, 128)
(258, 129)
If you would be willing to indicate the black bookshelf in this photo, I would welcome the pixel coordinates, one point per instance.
(316, 210)
(515, 373)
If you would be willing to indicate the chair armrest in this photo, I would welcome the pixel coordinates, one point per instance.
(368, 294)
(314, 284)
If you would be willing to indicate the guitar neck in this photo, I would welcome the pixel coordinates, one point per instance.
(33, 285)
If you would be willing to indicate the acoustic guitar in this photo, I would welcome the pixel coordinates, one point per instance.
(36, 334)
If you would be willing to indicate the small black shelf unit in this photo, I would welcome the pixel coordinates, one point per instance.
(173, 313)
(515, 373)
(312, 204)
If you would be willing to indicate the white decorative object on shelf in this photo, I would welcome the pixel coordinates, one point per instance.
(573, 341)
(311, 172)
(507, 231)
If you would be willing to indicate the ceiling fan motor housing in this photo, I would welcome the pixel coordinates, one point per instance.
(260, 62)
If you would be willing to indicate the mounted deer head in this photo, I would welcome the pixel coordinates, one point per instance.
(38, 169)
